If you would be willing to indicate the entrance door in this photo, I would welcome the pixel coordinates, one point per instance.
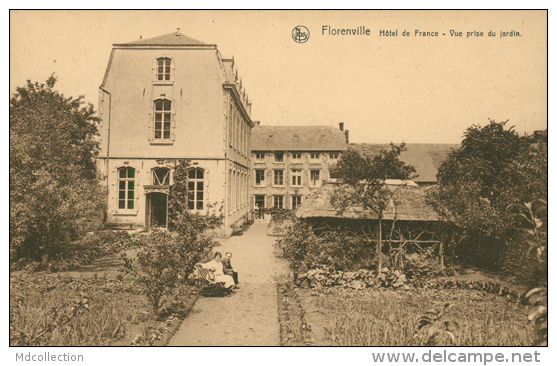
(157, 210)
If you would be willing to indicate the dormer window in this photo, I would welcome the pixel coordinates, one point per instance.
(163, 68)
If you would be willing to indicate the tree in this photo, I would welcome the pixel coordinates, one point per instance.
(365, 175)
(55, 196)
(493, 168)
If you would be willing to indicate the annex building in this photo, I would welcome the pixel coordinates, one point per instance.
(166, 98)
(291, 162)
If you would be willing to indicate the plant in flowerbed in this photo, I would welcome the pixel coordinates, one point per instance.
(363, 278)
(386, 317)
(68, 311)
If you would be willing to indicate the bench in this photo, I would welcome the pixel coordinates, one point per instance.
(207, 288)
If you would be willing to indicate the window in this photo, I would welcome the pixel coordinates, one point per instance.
(260, 156)
(279, 157)
(314, 178)
(333, 155)
(296, 201)
(161, 176)
(259, 177)
(296, 177)
(126, 186)
(314, 156)
(279, 178)
(163, 118)
(296, 156)
(195, 189)
(163, 68)
(278, 201)
(260, 201)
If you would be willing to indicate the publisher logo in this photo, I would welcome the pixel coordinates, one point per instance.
(300, 34)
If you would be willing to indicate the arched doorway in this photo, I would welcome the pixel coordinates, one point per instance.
(157, 210)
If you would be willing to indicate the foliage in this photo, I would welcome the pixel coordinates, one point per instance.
(180, 219)
(535, 222)
(493, 168)
(165, 259)
(295, 328)
(324, 277)
(372, 317)
(55, 196)
(434, 330)
(66, 311)
(338, 248)
(365, 175)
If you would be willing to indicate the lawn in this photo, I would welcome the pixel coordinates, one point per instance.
(385, 317)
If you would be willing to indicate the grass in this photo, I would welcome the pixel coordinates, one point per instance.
(65, 310)
(390, 318)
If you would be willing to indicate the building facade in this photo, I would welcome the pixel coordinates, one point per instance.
(290, 162)
(168, 98)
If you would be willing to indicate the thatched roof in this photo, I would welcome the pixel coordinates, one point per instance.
(411, 204)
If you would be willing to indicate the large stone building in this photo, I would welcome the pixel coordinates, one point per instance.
(290, 162)
(166, 98)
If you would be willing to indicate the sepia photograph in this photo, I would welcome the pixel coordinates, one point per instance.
(279, 178)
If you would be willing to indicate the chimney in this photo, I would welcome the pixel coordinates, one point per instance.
(256, 123)
(178, 32)
(346, 135)
(341, 126)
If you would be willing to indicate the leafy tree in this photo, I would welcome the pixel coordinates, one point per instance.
(493, 168)
(365, 175)
(54, 193)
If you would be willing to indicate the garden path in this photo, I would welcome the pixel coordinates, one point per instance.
(249, 317)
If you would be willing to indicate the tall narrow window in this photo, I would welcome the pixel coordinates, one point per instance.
(296, 201)
(163, 118)
(278, 201)
(314, 178)
(296, 177)
(195, 189)
(126, 186)
(278, 177)
(163, 68)
(259, 177)
(161, 176)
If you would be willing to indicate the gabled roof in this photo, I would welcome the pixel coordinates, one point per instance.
(426, 158)
(297, 138)
(171, 39)
(411, 204)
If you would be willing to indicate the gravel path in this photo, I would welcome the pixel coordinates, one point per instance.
(249, 317)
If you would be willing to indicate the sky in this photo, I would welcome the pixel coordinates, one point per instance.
(384, 88)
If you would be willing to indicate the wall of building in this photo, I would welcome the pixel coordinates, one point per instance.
(287, 190)
(198, 104)
(210, 126)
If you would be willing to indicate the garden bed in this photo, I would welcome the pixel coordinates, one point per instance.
(92, 307)
(385, 317)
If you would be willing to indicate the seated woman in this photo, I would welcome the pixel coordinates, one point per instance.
(219, 275)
